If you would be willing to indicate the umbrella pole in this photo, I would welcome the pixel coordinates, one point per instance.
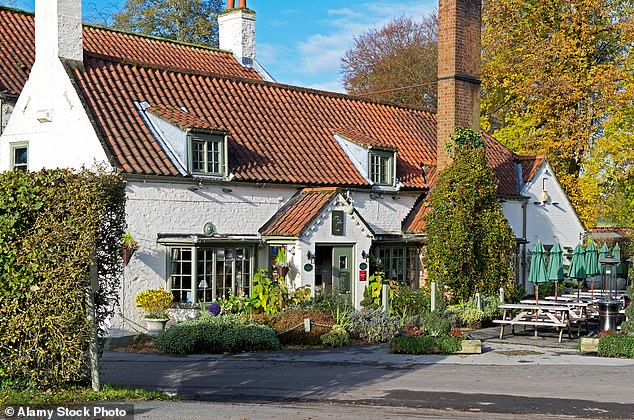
(578, 288)
(592, 288)
(556, 287)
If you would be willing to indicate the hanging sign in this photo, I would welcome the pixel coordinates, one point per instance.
(308, 267)
(363, 275)
(337, 222)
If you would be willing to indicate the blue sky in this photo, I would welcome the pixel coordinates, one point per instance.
(300, 42)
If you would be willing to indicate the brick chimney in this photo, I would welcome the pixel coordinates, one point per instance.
(58, 31)
(236, 31)
(459, 26)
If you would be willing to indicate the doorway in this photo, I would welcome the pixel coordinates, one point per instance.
(334, 268)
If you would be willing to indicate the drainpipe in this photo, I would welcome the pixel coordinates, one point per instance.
(523, 252)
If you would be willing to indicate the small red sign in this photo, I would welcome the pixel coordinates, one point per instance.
(363, 275)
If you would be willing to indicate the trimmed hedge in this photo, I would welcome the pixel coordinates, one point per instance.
(425, 344)
(221, 334)
(616, 346)
(54, 225)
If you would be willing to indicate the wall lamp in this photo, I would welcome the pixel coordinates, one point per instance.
(365, 255)
(310, 256)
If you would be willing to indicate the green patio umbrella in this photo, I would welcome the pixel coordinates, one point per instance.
(556, 267)
(616, 253)
(577, 269)
(592, 263)
(538, 274)
(603, 252)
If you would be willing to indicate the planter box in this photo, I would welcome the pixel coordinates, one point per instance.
(470, 347)
(588, 345)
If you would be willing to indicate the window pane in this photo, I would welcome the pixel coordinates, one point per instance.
(20, 157)
(181, 274)
(198, 156)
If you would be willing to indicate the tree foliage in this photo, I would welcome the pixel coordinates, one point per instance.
(55, 225)
(470, 245)
(555, 75)
(402, 53)
(193, 21)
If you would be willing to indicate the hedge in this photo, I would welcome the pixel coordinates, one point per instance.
(425, 344)
(54, 225)
(616, 346)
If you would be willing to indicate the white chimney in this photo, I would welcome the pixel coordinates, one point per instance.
(236, 31)
(58, 31)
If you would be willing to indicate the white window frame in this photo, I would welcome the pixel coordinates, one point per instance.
(391, 167)
(14, 147)
(207, 139)
(247, 281)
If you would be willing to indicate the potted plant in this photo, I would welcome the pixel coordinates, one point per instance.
(281, 266)
(129, 247)
(155, 303)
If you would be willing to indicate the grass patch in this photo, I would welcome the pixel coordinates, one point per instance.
(79, 395)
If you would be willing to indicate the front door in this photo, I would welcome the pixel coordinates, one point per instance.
(342, 270)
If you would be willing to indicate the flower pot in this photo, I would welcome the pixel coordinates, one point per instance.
(155, 326)
(281, 271)
(126, 253)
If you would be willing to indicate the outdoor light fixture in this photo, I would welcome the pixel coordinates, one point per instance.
(310, 256)
(365, 255)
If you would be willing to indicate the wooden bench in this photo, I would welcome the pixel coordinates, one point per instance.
(554, 316)
(578, 314)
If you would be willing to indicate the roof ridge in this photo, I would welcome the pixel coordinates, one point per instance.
(320, 189)
(276, 85)
(121, 31)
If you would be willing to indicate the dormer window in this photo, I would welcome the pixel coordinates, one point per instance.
(382, 167)
(208, 154)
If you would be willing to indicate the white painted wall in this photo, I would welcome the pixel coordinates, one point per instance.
(236, 32)
(514, 214)
(385, 211)
(554, 221)
(6, 108)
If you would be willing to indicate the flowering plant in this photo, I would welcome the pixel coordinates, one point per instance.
(155, 302)
(129, 242)
(280, 259)
(214, 309)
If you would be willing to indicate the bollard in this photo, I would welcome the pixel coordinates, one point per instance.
(433, 296)
(501, 296)
(478, 301)
(306, 325)
(385, 297)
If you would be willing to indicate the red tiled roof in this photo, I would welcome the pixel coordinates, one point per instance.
(530, 165)
(17, 51)
(300, 211)
(415, 220)
(278, 133)
(181, 118)
(365, 140)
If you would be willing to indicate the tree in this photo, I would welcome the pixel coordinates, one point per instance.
(402, 53)
(470, 245)
(193, 21)
(554, 73)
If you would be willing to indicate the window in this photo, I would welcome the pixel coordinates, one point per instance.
(382, 168)
(208, 154)
(19, 156)
(399, 263)
(205, 274)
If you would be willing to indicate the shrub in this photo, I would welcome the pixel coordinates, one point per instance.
(55, 225)
(221, 334)
(331, 302)
(338, 337)
(472, 317)
(425, 344)
(155, 302)
(373, 326)
(406, 302)
(429, 323)
(372, 292)
(235, 305)
(616, 346)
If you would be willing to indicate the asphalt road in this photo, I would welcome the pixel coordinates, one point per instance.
(530, 382)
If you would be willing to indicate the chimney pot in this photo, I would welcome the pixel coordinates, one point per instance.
(231, 4)
(242, 3)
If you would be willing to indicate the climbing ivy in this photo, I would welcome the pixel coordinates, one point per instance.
(470, 245)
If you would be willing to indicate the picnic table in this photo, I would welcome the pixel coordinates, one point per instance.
(554, 316)
(578, 314)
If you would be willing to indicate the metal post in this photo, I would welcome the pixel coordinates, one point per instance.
(93, 350)
(385, 297)
(433, 296)
(478, 301)
(501, 296)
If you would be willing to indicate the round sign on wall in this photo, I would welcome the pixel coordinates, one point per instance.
(308, 267)
(363, 266)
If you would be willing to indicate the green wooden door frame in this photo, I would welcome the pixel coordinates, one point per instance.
(343, 270)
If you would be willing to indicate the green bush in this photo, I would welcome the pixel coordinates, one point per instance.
(429, 323)
(221, 334)
(55, 225)
(616, 346)
(338, 337)
(425, 344)
(406, 302)
(331, 302)
(283, 324)
(373, 326)
(472, 317)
